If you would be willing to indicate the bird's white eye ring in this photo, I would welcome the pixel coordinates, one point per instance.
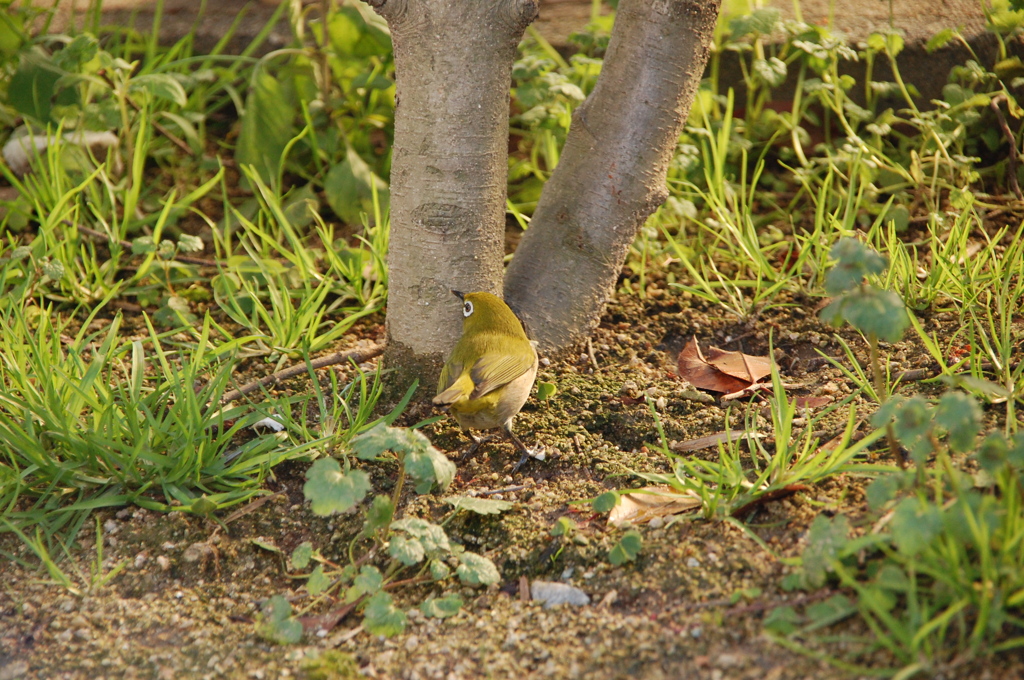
(467, 308)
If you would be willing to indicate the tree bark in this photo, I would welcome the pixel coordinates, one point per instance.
(611, 175)
(453, 61)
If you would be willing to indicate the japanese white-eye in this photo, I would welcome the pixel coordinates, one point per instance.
(491, 370)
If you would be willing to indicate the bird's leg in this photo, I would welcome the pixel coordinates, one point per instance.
(477, 441)
(507, 429)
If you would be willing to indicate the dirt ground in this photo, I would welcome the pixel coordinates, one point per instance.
(185, 604)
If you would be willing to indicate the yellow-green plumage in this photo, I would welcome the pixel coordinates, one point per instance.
(491, 370)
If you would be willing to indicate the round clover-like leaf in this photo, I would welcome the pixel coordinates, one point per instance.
(441, 607)
(302, 555)
(627, 548)
(382, 617)
(408, 551)
(477, 570)
(960, 415)
(330, 490)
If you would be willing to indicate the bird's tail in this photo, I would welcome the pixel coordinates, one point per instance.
(460, 389)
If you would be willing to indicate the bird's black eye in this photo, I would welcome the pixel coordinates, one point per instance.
(467, 308)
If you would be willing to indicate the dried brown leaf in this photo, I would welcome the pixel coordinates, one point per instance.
(650, 502)
(712, 440)
(739, 365)
(694, 368)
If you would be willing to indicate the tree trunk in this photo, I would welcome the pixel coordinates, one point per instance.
(611, 175)
(453, 61)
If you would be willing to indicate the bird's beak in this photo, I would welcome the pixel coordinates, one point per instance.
(457, 294)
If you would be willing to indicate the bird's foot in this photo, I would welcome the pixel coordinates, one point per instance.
(537, 452)
(477, 443)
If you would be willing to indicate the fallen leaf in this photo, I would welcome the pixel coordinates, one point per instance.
(695, 369)
(812, 402)
(552, 593)
(713, 440)
(643, 505)
(739, 365)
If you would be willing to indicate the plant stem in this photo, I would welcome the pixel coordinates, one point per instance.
(880, 393)
(396, 495)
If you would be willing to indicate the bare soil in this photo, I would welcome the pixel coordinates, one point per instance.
(185, 604)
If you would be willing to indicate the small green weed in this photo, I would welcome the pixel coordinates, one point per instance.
(388, 553)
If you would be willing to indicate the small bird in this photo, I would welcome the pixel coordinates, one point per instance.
(491, 370)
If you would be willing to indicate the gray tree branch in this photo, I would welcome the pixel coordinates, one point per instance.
(611, 175)
(453, 62)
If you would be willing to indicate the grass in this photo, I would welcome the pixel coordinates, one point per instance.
(274, 249)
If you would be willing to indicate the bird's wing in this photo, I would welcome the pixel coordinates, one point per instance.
(492, 371)
(449, 387)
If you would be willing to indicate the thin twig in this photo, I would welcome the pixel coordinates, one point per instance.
(253, 506)
(507, 489)
(775, 495)
(593, 359)
(357, 355)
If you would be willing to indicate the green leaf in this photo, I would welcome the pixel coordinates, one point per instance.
(476, 570)
(993, 452)
(439, 571)
(381, 617)
(433, 538)
(627, 548)
(899, 215)
(605, 502)
(891, 577)
(33, 90)
(782, 620)
(187, 243)
(378, 515)
(429, 467)
(302, 555)
(939, 40)
(368, 581)
(912, 424)
(832, 610)
(441, 607)
(143, 245)
(855, 261)
(960, 415)
(545, 391)
(12, 34)
(317, 581)
(301, 205)
(825, 539)
(54, 270)
(348, 187)
(408, 551)
(381, 438)
(872, 312)
(351, 35)
(882, 490)
(276, 623)
(175, 312)
(894, 43)
(772, 71)
(160, 86)
(563, 526)
(265, 545)
(481, 506)
(915, 524)
(330, 490)
(1016, 453)
(759, 21)
(268, 124)
(203, 506)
